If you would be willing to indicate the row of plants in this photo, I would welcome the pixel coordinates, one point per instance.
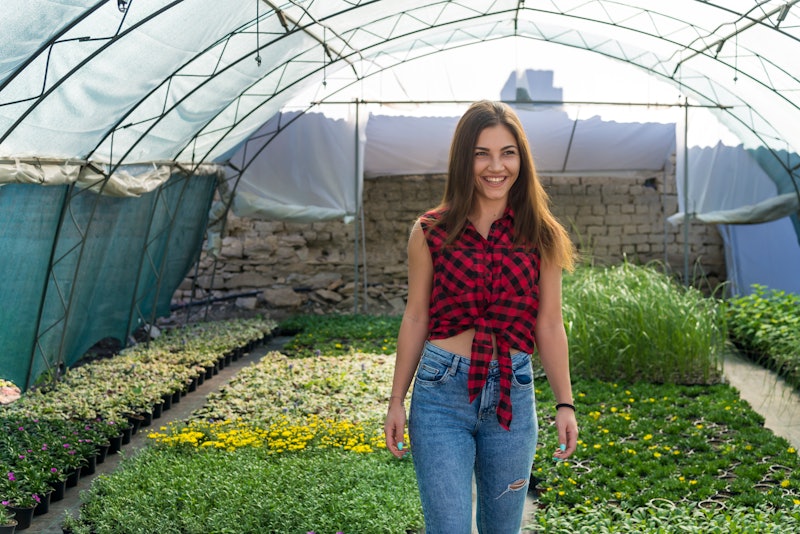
(765, 326)
(291, 444)
(52, 435)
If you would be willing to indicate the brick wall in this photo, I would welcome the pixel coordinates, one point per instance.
(310, 267)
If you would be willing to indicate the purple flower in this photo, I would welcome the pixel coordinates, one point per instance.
(36, 498)
(21, 456)
(6, 503)
(21, 429)
(44, 447)
(53, 470)
(11, 476)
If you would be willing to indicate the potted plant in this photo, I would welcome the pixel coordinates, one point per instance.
(7, 522)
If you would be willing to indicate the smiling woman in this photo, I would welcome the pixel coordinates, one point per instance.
(484, 289)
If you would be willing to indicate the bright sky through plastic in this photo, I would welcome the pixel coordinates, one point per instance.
(481, 70)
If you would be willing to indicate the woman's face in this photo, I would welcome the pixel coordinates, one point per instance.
(496, 163)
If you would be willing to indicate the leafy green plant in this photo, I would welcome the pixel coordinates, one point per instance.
(765, 325)
(632, 323)
(335, 335)
(676, 444)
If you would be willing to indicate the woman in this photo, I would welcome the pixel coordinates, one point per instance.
(484, 287)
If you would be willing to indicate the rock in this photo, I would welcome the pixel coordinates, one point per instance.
(284, 297)
(247, 303)
(330, 296)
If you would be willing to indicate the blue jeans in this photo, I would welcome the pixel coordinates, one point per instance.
(451, 439)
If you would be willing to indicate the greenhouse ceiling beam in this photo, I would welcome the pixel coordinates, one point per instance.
(284, 18)
(717, 45)
(52, 41)
(79, 65)
(533, 102)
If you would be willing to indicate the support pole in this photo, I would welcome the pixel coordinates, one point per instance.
(687, 213)
(356, 222)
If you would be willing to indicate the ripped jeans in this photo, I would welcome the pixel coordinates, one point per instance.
(451, 439)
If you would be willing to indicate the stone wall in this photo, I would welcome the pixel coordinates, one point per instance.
(282, 268)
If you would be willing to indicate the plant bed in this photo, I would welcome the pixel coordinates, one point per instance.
(54, 433)
(765, 327)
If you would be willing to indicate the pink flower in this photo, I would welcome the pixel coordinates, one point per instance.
(36, 498)
(53, 470)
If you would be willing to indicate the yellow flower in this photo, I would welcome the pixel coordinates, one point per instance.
(785, 483)
(648, 437)
(657, 454)
(791, 450)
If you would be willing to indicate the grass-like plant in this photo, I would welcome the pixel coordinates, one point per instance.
(171, 490)
(632, 323)
(765, 325)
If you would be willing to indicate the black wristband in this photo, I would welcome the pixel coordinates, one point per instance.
(565, 405)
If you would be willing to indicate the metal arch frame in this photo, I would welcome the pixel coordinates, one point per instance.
(208, 79)
(750, 127)
(520, 7)
(80, 64)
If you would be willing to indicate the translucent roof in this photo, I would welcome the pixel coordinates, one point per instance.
(125, 82)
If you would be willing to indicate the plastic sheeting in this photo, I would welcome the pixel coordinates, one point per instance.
(311, 171)
(730, 187)
(420, 145)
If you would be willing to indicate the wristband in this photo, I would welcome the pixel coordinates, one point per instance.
(565, 405)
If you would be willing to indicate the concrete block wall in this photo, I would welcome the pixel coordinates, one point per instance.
(286, 268)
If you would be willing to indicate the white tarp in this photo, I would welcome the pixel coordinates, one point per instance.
(127, 181)
(420, 145)
(308, 171)
(725, 185)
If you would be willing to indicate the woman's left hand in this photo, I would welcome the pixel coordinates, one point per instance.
(567, 426)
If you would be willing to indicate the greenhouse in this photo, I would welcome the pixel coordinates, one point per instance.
(159, 158)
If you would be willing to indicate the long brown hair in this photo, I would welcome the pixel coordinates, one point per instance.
(534, 224)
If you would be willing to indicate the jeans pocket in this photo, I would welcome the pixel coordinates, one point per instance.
(432, 372)
(522, 375)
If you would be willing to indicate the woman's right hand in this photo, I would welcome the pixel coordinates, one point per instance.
(394, 427)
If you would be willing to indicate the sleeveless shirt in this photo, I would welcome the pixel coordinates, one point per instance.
(488, 284)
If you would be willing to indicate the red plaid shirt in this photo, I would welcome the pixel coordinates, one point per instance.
(489, 285)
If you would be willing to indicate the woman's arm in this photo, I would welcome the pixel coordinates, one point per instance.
(551, 340)
(412, 335)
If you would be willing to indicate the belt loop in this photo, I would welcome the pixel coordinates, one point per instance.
(454, 365)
